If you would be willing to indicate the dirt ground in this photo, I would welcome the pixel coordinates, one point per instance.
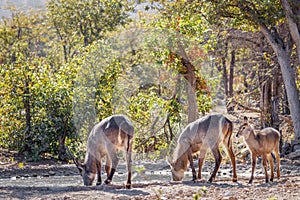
(13, 171)
(287, 187)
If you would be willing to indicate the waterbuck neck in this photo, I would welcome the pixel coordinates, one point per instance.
(91, 163)
(252, 137)
(181, 162)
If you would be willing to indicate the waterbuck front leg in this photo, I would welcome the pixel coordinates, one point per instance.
(190, 158)
(218, 159)
(253, 160)
(98, 165)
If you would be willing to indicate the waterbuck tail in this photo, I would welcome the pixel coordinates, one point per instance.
(229, 131)
(129, 141)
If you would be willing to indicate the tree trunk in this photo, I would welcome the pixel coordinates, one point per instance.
(61, 142)
(266, 94)
(294, 30)
(276, 91)
(192, 100)
(26, 101)
(283, 54)
(225, 76)
(285, 103)
(231, 72)
(190, 76)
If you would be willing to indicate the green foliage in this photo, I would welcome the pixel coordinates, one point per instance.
(50, 104)
(68, 68)
(81, 22)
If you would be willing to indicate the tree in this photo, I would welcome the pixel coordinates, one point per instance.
(265, 16)
(179, 17)
(79, 23)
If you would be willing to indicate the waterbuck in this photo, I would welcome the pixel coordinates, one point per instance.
(196, 138)
(106, 138)
(261, 143)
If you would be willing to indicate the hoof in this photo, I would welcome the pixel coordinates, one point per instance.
(271, 179)
(211, 180)
(250, 181)
(128, 186)
(234, 179)
(107, 181)
(98, 183)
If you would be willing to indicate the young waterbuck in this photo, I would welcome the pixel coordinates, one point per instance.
(199, 136)
(261, 143)
(106, 138)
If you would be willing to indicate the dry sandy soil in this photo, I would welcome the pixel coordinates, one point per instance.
(52, 180)
(287, 187)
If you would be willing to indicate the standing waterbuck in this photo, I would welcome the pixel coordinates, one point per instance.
(261, 143)
(106, 138)
(196, 138)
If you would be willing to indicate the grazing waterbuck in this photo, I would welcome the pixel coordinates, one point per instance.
(261, 143)
(106, 138)
(197, 137)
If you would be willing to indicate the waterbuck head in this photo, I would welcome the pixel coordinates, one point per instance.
(245, 129)
(177, 174)
(87, 172)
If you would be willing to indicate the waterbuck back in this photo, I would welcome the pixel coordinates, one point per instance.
(106, 138)
(197, 137)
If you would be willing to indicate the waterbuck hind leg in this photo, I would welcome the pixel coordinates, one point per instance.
(107, 166)
(233, 162)
(265, 166)
(190, 157)
(99, 181)
(218, 159)
(200, 162)
(271, 163)
(114, 160)
(228, 145)
(129, 161)
(129, 164)
(107, 169)
(277, 156)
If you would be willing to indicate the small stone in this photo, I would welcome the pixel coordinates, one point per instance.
(51, 173)
(288, 183)
(227, 194)
(180, 192)
(202, 181)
